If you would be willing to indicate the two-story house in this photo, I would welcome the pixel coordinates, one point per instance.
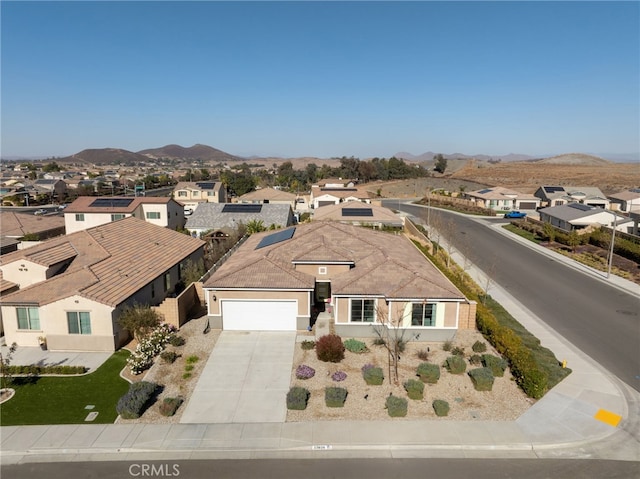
(191, 193)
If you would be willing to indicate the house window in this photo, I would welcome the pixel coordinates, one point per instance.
(195, 193)
(210, 193)
(423, 314)
(117, 216)
(28, 318)
(363, 310)
(167, 281)
(79, 322)
(153, 215)
(182, 194)
(322, 270)
(79, 216)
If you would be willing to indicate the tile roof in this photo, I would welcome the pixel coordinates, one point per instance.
(384, 264)
(627, 195)
(267, 194)
(83, 204)
(360, 193)
(211, 216)
(112, 261)
(19, 224)
(335, 213)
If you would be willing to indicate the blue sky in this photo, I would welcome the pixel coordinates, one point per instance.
(321, 78)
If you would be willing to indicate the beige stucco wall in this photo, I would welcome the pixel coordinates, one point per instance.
(90, 220)
(24, 272)
(301, 296)
(53, 325)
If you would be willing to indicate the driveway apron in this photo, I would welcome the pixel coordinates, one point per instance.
(245, 380)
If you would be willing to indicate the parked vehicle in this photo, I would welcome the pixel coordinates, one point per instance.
(515, 214)
(63, 206)
(39, 212)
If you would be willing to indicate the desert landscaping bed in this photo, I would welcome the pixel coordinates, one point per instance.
(505, 402)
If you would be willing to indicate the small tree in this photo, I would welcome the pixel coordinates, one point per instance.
(441, 163)
(139, 320)
(192, 271)
(5, 362)
(549, 232)
(255, 226)
(391, 335)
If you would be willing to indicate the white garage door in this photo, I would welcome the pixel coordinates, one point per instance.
(259, 315)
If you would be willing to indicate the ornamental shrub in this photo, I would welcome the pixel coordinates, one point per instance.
(149, 347)
(334, 396)
(36, 370)
(496, 364)
(329, 348)
(428, 373)
(307, 345)
(479, 347)
(297, 398)
(455, 364)
(396, 407)
(447, 345)
(168, 356)
(476, 360)
(414, 388)
(177, 341)
(440, 407)
(305, 372)
(423, 354)
(355, 346)
(134, 402)
(482, 379)
(339, 376)
(169, 406)
(457, 351)
(373, 376)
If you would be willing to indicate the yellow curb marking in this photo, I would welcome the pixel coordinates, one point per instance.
(608, 417)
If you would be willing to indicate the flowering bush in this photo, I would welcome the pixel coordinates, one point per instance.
(339, 376)
(305, 372)
(367, 366)
(149, 347)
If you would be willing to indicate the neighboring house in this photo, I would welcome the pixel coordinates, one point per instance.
(55, 188)
(190, 194)
(335, 183)
(358, 213)
(562, 195)
(17, 225)
(280, 280)
(227, 217)
(501, 199)
(74, 287)
(270, 196)
(89, 211)
(626, 200)
(575, 216)
(329, 195)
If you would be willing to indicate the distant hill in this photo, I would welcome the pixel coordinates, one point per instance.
(200, 152)
(573, 159)
(105, 156)
(429, 155)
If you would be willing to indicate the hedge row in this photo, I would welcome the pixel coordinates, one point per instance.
(34, 370)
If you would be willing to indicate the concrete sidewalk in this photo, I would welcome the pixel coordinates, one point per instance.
(590, 414)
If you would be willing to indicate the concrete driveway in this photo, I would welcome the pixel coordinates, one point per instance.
(246, 379)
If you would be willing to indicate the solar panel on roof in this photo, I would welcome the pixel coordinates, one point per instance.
(205, 186)
(242, 208)
(276, 238)
(112, 202)
(580, 206)
(357, 212)
(635, 190)
(482, 192)
(553, 189)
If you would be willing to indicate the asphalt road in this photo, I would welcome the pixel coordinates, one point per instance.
(599, 319)
(332, 468)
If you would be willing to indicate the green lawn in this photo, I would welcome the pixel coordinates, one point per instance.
(62, 400)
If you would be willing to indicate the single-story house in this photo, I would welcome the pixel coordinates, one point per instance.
(358, 213)
(55, 188)
(89, 211)
(575, 216)
(562, 195)
(191, 194)
(499, 198)
(329, 195)
(367, 279)
(73, 288)
(626, 200)
(227, 217)
(270, 196)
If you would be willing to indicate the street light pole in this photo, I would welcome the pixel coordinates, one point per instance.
(613, 237)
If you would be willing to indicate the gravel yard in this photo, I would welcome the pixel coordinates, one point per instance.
(505, 402)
